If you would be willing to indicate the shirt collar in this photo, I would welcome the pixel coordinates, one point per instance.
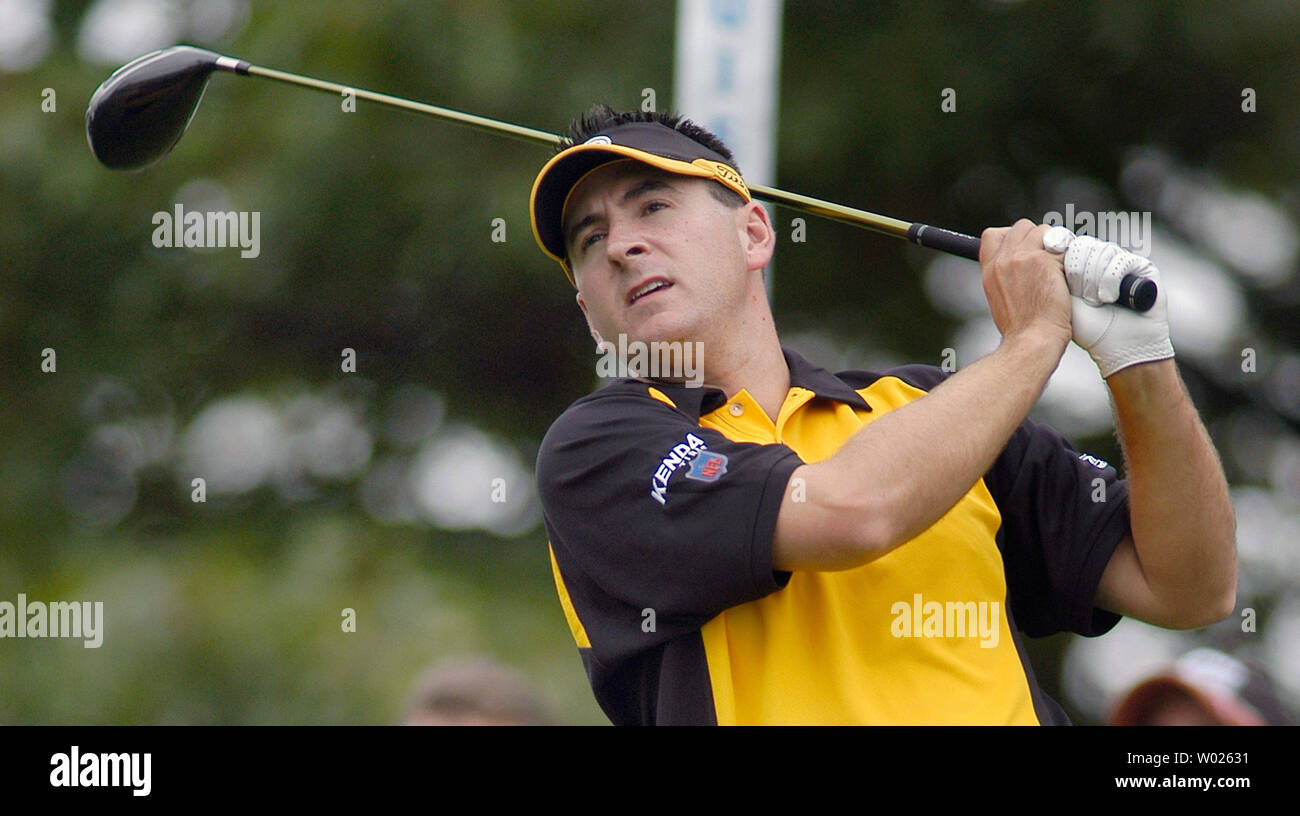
(821, 382)
(696, 402)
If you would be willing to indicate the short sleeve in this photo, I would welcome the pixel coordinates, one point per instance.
(1063, 515)
(646, 510)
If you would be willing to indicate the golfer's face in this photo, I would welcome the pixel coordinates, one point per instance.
(651, 252)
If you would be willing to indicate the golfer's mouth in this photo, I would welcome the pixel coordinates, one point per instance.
(647, 289)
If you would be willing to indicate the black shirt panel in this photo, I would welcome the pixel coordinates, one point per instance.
(657, 524)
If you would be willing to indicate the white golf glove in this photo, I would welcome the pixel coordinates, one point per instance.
(1116, 337)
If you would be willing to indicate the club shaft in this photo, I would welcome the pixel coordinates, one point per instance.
(480, 122)
(1137, 293)
(849, 215)
(838, 212)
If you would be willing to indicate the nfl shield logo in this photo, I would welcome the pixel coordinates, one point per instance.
(707, 467)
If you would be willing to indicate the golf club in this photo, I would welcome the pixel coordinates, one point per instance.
(139, 113)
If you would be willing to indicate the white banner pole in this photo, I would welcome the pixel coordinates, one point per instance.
(726, 79)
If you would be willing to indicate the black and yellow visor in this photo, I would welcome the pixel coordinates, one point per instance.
(649, 142)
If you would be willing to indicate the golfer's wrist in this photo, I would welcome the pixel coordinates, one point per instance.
(1140, 383)
(1041, 337)
(1117, 361)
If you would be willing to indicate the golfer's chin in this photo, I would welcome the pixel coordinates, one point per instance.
(662, 327)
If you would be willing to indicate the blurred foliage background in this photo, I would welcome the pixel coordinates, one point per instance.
(374, 490)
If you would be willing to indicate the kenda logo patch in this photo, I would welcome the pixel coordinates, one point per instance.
(1100, 464)
(683, 453)
(707, 467)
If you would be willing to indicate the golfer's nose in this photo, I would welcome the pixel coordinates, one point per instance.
(624, 241)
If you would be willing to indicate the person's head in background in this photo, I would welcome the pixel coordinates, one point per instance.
(1203, 687)
(473, 691)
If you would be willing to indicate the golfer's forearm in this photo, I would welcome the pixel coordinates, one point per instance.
(903, 471)
(1184, 529)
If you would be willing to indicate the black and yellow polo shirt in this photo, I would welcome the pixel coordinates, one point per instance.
(661, 503)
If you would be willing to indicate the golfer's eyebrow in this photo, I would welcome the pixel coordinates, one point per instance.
(650, 185)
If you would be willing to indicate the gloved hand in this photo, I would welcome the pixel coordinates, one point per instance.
(1115, 337)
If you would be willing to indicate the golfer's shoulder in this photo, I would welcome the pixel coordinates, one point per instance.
(621, 409)
(629, 401)
(918, 376)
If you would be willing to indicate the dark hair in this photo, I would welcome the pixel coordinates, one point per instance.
(601, 116)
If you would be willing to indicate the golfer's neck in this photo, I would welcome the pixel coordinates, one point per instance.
(749, 357)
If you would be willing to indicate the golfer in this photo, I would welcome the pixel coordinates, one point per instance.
(782, 544)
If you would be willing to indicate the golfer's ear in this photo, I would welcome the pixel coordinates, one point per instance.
(760, 236)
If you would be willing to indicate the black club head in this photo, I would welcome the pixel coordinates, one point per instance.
(139, 113)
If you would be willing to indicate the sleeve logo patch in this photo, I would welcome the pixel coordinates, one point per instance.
(707, 467)
(683, 453)
(1100, 464)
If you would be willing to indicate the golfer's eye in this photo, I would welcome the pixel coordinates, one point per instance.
(655, 206)
(589, 239)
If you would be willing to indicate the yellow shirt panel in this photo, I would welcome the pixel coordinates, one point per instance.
(917, 636)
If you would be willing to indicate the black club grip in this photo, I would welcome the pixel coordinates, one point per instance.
(1136, 293)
